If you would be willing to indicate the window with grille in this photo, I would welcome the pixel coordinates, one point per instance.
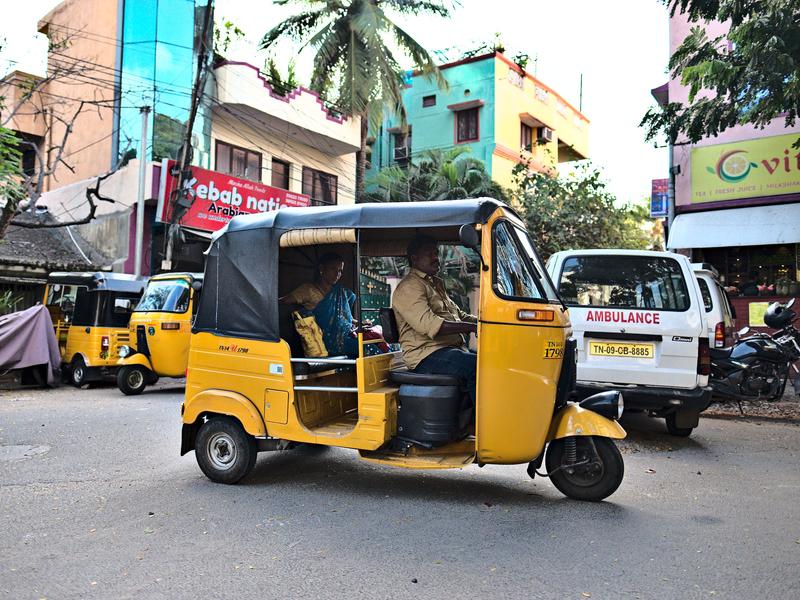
(467, 129)
(525, 136)
(238, 162)
(321, 186)
(280, 174)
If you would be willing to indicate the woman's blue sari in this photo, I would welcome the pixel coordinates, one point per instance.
(334, 315)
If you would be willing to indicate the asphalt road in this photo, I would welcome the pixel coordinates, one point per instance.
(96, 503)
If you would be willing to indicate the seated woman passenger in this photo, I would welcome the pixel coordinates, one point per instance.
(332, 306)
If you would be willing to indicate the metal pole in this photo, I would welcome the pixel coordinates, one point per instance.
(670, 194)
(137, 269)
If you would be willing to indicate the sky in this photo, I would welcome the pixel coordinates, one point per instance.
(620, 49)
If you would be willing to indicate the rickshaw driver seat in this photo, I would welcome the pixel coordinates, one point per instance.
(430, 406)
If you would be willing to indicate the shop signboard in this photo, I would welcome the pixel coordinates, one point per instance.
(659, 198)
(217, 198)
(756, 168)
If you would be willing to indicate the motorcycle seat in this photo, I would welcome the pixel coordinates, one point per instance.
(720, 353)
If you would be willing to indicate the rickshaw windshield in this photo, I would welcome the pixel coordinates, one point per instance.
(61, 297)
(165, 296)
(518, 274)
(544, 278)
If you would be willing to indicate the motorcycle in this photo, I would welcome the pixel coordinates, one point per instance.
(758, 367)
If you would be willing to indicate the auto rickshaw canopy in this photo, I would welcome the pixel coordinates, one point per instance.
(240, 296)
(101, 281)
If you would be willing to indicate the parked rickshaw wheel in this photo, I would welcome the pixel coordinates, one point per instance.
(132, 379)
(224, 450)
(598, 472)
(78, 371)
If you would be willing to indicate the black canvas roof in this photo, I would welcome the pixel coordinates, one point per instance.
(101, 281)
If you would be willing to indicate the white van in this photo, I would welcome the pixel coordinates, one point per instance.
(639, 323)
(719, 313)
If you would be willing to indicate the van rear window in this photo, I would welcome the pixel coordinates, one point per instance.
(706, 294)
(615, 281)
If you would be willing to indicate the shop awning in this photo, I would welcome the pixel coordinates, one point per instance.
(751, 226)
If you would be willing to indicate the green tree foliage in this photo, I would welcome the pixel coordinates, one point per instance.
(753, 72)
(435, 175)
(281, 85)
(12, 192)
(354, 63)
(577, 211)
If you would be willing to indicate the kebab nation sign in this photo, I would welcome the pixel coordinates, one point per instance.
(751, 168)
(217, 197)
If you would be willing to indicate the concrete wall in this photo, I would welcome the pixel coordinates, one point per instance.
(88, 29)
(241, 132)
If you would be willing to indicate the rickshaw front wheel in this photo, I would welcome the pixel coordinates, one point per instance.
(598, 469)
(132, 379)
(224, 451)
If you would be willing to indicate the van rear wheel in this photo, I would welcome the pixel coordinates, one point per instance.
(132, 379)
(598, 474)
(672, 426)
(224, 450)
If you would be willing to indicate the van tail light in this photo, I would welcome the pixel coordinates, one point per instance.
(703, 358)
(104, 343)
(719, 335)
(171, 326)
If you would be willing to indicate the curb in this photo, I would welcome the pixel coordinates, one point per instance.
(751, 417)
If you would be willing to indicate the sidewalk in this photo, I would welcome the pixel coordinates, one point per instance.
(785, 409)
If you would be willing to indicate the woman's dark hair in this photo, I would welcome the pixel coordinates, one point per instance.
(326, 259)
(416, 244)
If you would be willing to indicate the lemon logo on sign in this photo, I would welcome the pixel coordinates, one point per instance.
(733, 166)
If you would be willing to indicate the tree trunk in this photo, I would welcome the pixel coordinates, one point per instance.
(361, 159)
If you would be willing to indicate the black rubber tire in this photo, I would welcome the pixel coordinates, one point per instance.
(592, 488)
(78, 372)
(132, 379)
(224, 450)
(673, 429)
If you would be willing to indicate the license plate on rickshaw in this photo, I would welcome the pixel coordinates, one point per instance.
(622, 349)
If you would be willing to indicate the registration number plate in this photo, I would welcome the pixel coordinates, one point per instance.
(622, 349)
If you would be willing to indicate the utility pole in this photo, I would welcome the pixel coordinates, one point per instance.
(137, 269)
(180, 204)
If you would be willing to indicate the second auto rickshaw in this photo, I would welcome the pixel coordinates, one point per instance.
(160, 330)
(90, 313)
(249, 388)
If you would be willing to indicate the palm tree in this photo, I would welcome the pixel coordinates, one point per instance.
(435, 175)
(353, 59)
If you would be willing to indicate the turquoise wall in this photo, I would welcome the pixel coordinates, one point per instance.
(434, 127)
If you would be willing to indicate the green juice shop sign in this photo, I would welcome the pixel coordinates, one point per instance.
(751, 168)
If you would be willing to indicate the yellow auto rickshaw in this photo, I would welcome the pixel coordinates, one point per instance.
(250, 389)
(160, 330)
(90, 313)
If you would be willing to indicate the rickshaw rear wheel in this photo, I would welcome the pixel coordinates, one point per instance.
(597, 478)
(78, 371)
(224, 450)
(132, 379)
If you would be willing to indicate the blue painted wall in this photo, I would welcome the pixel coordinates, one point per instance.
(433, 127)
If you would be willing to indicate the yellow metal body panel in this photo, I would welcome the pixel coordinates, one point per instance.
(87, 342)
(135, 359)
(452, 456)
(518, 371)
(573, 420)
(223, 402)
(261, 372)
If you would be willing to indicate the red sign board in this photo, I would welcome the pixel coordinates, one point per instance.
(216, 198)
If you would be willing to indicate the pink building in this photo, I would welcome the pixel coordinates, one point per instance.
(737, 199)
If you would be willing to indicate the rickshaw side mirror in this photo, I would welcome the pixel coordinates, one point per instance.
(122, 305)
(197, 286)
(470, 239)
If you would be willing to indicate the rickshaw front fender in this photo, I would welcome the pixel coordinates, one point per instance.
(223, 402)
(572, 420)
(135, 359)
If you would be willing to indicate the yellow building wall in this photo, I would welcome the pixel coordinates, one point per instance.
(227, 128)
(519, 97)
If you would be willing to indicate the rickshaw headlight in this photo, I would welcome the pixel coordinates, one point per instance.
(124, 351)
(607, 404)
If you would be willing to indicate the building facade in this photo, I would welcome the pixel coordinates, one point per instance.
(110, 58)
(500, 111)
(737, 201)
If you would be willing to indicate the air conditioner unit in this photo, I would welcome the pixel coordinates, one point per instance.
(544, 135)
(401, 153)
